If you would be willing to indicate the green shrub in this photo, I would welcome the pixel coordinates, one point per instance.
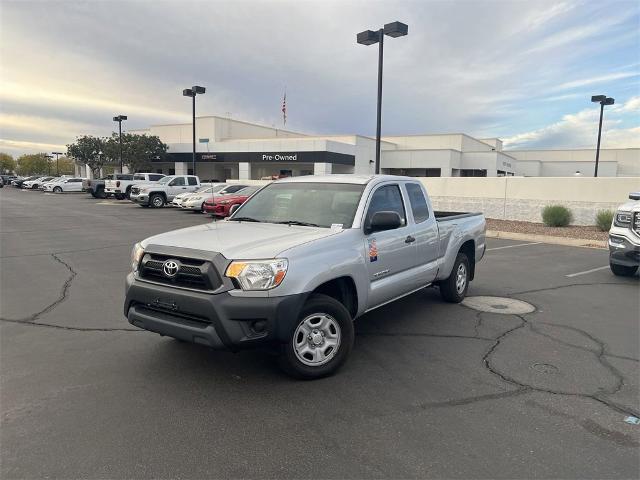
(604, 219)
(556, 216)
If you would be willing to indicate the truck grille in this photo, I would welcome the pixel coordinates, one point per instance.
(635, 224)
(135, 190)
(191, 273)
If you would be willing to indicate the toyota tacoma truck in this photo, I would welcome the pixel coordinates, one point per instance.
(624, 238)
(158, 194)
(297, 263)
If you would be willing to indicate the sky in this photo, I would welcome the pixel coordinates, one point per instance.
(523, 71)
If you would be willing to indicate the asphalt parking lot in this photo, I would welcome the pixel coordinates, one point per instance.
(431, 389)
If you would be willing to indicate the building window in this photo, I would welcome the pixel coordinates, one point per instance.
(471, 172)
(190, 171)
(172, 171)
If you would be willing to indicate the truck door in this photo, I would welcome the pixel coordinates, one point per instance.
(391, 254)
(426, 234)
(176, 186)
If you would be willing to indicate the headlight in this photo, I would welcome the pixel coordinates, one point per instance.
(622, 219)
(258, 274)
(136, 256)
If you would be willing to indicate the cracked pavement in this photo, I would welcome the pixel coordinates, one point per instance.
(431, 389)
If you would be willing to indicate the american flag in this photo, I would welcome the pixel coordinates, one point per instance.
(284, 108)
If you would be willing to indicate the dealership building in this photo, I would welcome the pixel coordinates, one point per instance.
(231, 149)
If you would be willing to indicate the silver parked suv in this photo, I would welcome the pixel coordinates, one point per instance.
(624, 238)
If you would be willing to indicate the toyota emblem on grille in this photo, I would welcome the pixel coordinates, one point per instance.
(170, 268)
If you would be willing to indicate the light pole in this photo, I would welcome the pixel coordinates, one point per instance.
(57, 164)
(192, 92)
(119, 119)
(602, 100)
(369, 37)
(48, 157)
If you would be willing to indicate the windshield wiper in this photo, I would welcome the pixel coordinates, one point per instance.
(296, 222)
(244, 219)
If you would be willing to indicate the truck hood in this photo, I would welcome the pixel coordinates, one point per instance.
(241, 240)
(631, 206)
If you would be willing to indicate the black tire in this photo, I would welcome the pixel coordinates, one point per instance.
(119, 196)
(156, 200)
(622, 270)
(144, 206)
(34, 187)
(57, 190)
(453, 290)
(93, 194)
(100, 193)
(336, 312)
(127, 194)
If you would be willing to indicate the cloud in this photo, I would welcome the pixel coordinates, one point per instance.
(579, 130)
(473, 66)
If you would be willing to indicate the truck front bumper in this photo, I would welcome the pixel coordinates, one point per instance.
(220, 321)
(141, 199)
(623, 251)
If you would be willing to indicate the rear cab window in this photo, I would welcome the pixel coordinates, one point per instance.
(193, 181)
(418, 202)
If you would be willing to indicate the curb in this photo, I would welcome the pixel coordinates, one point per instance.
(530, 237)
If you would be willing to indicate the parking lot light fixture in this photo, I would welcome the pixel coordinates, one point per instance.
(369, 37)
(57, 164)
(602, 100)
(119, 119)
(48, 157)
(192, 92)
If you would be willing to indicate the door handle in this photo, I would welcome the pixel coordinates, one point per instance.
(409, 239)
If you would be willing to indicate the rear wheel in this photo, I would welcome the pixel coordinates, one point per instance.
(320, 340)
(156, 200)
(622, 271)
(100, 193)
(57, 190)
(454, 288)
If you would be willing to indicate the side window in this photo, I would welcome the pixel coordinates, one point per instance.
(177, 182)
(193, 181)
(138, 177)
(386, 199)
(155, 177)
(418, 202)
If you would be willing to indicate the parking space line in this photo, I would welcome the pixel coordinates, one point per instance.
(513, 246)
(571, 275)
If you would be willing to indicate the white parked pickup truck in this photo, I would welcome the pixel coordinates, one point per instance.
(160, 193)
(120, 185)
(298, 262)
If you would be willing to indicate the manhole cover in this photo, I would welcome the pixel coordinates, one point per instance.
(506, 306)
(544, 368)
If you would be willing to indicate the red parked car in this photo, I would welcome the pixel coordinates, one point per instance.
(219, 206)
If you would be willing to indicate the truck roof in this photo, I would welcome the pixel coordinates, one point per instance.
(342, 178)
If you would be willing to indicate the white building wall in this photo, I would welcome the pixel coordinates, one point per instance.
(628, 159)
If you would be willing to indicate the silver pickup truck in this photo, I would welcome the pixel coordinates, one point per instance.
(298, 262)
(624, 238)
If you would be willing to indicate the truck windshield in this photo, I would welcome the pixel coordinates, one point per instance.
(313, 204)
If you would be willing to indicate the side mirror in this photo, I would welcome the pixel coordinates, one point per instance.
(233, 208)
(634, 196)
(384, 221)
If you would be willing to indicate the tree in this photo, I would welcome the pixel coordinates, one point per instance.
(88, 150)
(138, 151)
(7, 163)
(33, 164)
(65, 166)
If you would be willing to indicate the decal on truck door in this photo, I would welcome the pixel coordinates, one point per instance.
(373, 250)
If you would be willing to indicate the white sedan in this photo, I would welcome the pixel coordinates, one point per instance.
(65, 185)
(215, 188)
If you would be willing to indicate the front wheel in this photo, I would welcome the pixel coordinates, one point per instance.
(156, 200)
(622, 270)
(57, 190)
(454, 288)
(320, 340)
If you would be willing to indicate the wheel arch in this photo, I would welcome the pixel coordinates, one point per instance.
(343, 289)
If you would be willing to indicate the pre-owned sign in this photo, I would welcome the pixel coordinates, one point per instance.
(263, 157)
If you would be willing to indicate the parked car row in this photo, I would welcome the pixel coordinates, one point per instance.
(64, 183)
(149, 190)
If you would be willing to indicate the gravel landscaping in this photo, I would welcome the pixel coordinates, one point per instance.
(573, 231)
